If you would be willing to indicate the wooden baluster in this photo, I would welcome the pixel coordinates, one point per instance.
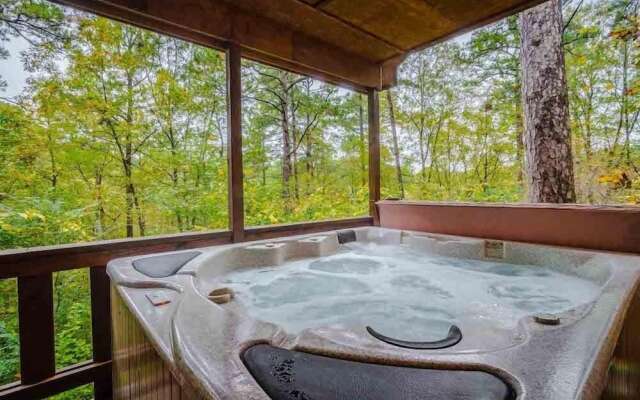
(35, 319)
(101, 329)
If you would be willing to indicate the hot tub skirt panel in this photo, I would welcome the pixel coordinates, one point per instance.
(138, 371)
(624, 369)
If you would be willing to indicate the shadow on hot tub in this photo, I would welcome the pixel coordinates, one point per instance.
(292, 375)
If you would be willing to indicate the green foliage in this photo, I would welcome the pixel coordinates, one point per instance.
(72, 317)
(9, 341)
(80, 393)
(460, 113)
(304, 149)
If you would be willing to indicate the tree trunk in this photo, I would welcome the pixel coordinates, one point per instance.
(423, 154)
(519, 125)
(362, 145)
(308, 156)
(421, 123)
(100, 212)
(625, 104)
(129, 210)
(175, 177)
(294, 150)
(486, 129)
(309, 143)
(142, 225)
(396, 148)
(546, 108)
(286, 154)
(263, 159)
(52, 159)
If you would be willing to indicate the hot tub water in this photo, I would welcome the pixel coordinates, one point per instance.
(403, 292)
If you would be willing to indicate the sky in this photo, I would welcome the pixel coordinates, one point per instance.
(11, 69)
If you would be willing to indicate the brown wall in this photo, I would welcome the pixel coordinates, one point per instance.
(589, 227)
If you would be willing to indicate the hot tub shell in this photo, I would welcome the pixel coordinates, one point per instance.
(192, 347)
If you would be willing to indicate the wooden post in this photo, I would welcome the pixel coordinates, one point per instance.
(374, 153)
(35, 318)
(234, 121)
(101, 329)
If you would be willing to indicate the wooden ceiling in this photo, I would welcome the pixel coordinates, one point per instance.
(356, 43)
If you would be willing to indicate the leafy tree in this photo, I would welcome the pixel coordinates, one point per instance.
(38, 22)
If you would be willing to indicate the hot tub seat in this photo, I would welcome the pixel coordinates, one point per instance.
(293, 375)
(165, 265)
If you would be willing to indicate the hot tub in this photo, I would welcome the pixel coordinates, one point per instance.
(377, 314)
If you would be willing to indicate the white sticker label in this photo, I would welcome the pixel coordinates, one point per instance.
(158, 299)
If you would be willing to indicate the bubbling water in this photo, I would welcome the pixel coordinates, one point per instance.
(402, 292)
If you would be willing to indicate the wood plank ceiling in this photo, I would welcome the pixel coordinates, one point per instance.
(357, 43)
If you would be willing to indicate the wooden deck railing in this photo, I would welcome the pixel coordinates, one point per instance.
(609, 228)
(34, 269)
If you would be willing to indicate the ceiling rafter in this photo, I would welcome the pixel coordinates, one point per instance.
(319, 7)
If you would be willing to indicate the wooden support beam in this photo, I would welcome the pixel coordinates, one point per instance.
(374, 153)
(236, 175)
(35, 319)
(101, 329)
